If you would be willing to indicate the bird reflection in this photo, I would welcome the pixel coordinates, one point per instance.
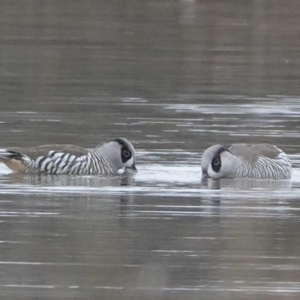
(218, 189)
(83, 185)
(244, 183)
(211, 183)
(72, 181)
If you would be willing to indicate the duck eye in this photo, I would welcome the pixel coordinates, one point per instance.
(216, 161)
(126, 153)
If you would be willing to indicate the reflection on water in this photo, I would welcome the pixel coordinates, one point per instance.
(173, 77)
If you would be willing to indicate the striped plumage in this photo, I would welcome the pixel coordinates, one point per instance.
(261, 161)
(111, 157)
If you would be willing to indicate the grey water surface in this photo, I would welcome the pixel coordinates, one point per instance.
(173, 77)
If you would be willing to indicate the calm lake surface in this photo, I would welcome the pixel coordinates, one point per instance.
(174, 77)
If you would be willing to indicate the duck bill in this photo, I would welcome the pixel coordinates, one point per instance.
(131, 169)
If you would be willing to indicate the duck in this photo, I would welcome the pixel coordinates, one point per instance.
(258, 161)
(115, 156)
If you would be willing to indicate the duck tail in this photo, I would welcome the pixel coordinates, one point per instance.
(13, 160)
(6, 154)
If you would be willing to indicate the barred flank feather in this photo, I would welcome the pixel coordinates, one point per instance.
(65, 163)
(265, 167)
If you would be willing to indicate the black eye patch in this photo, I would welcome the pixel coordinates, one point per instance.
(125, 154)
(216, 161)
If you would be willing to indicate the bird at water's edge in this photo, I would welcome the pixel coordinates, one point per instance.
(109, 158)
(260, 161)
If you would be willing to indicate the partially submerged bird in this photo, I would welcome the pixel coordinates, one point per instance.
(112, 157)
(261, 161)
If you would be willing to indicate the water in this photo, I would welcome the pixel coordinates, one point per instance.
(173, 77)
